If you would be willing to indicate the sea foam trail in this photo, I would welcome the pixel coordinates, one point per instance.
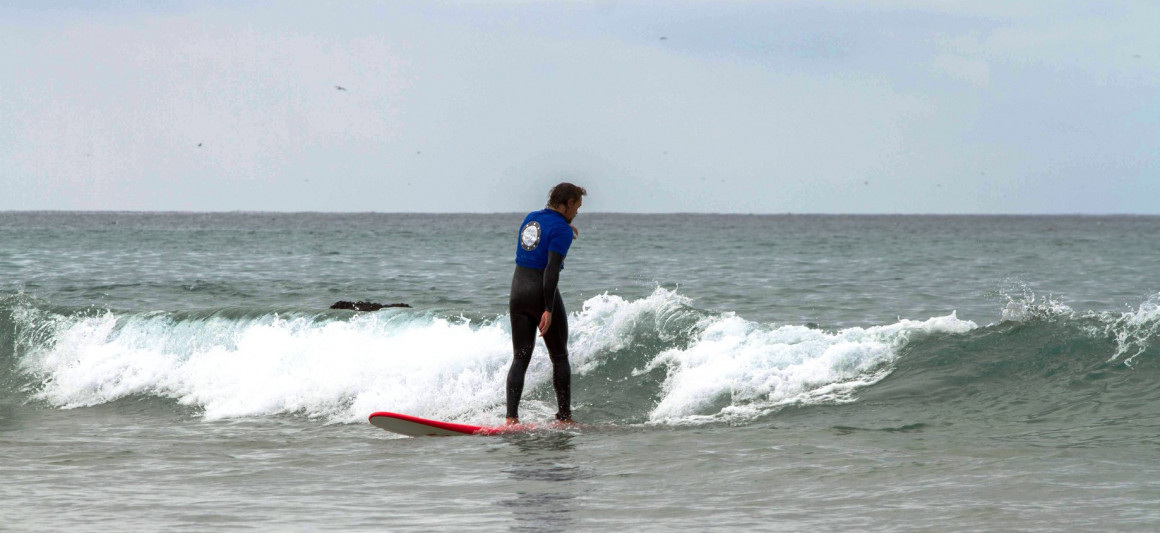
(341, 368)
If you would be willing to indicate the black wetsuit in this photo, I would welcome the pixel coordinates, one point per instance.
(533, 292)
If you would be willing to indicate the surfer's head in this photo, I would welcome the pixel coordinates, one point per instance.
(567, 199)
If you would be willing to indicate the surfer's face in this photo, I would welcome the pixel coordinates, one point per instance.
(571, 209)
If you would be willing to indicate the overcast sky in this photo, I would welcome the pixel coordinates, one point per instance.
(746, 107)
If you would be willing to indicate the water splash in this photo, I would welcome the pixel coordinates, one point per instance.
(339, 368)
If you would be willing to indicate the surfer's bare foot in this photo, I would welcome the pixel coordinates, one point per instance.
(511, 422)
(565, 422)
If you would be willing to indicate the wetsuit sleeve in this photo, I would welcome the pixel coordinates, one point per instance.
(551, 279)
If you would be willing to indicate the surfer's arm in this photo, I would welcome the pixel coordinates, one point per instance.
(551, 279)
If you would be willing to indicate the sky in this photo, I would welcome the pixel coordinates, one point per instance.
(844, 106)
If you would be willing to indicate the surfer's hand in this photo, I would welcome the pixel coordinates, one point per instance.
(545, 322)
(575, 232)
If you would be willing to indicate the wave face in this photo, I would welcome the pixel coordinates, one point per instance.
(1044, 362)
(653, 360)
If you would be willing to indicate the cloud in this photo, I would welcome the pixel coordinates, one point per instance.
(971, 70)
(744, 107)
(160, 111)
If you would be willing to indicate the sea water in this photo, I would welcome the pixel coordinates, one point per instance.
(183, 371)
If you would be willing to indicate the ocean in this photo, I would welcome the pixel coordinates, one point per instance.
(184, 372)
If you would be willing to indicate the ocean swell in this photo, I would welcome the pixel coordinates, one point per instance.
(656, 360)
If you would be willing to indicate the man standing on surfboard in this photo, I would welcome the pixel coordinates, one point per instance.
(535, 303)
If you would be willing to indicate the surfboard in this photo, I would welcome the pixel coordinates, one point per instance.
(413, 426)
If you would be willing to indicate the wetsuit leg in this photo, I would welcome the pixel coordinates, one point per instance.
(525, 307)
(523, 342)
(557, 342)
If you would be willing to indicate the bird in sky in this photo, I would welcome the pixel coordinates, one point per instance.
(339, 87)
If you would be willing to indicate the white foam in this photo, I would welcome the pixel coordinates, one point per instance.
(341, 370)
(1133, 331)
(1027, 306)
(609, 323)
(447, 368)
(754, 368)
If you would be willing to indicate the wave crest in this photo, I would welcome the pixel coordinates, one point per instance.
(736, 369)
(1133, 331)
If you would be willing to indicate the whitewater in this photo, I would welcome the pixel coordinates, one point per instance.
(341, 368)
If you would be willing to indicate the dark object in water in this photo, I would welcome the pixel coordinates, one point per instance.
(363, 306)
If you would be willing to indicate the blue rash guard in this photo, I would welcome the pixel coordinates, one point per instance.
(542, 232)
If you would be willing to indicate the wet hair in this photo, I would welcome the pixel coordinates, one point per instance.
(565, 192)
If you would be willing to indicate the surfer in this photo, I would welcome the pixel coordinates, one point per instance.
(535, 303)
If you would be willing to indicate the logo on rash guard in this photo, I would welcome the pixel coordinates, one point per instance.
(530, 236)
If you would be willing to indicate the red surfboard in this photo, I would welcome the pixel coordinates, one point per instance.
(413, 426)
